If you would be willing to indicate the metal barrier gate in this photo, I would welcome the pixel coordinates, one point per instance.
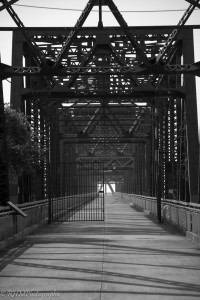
(76, 192)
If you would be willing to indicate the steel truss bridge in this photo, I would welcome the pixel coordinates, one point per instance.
(122, 96)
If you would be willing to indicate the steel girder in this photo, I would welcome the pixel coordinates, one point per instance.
(8, 71)
(7, 4)
(167, 51)
(104, 91)
(4, 183)
(193, 2)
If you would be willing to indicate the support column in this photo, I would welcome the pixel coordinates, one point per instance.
(4, 182)
(191, 118)
(148, 167)
(16, 102)
(17, 60)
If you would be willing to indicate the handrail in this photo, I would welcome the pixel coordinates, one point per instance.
(6, 211)
(171, 201)
(187, 205)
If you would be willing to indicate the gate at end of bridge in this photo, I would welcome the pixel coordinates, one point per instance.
(76, 192)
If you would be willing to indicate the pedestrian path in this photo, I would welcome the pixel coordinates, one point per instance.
(124, 258)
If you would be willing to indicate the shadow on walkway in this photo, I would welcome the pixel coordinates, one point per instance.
(126, 257)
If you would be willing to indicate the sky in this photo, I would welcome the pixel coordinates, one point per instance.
(64, 13)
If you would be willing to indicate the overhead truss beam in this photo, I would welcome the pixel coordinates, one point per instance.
(164, 53)
(74, 32)
(7, 3)
(38, 55)
(7, 71)
(193, 2)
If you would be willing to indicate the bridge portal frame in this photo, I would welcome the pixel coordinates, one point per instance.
(187, 107)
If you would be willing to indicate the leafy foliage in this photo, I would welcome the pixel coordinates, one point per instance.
(24, 150)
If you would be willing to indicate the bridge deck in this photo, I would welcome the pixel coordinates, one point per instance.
(126, 257)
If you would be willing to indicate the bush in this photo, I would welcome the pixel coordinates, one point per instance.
(24, 150)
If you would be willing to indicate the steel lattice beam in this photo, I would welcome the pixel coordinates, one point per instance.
(38, 55)
(133, 40)
(164, 53)
(74, 32)
(7, 71)
(7, 3)
(193, 2)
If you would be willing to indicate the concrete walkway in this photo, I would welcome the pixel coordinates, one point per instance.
(126, 257)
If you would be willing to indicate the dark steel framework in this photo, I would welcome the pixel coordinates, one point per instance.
(123, 96)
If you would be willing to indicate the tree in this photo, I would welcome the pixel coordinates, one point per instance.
(24, 150)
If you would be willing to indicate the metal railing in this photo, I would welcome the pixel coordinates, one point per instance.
(182, 214)
(13, 226)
